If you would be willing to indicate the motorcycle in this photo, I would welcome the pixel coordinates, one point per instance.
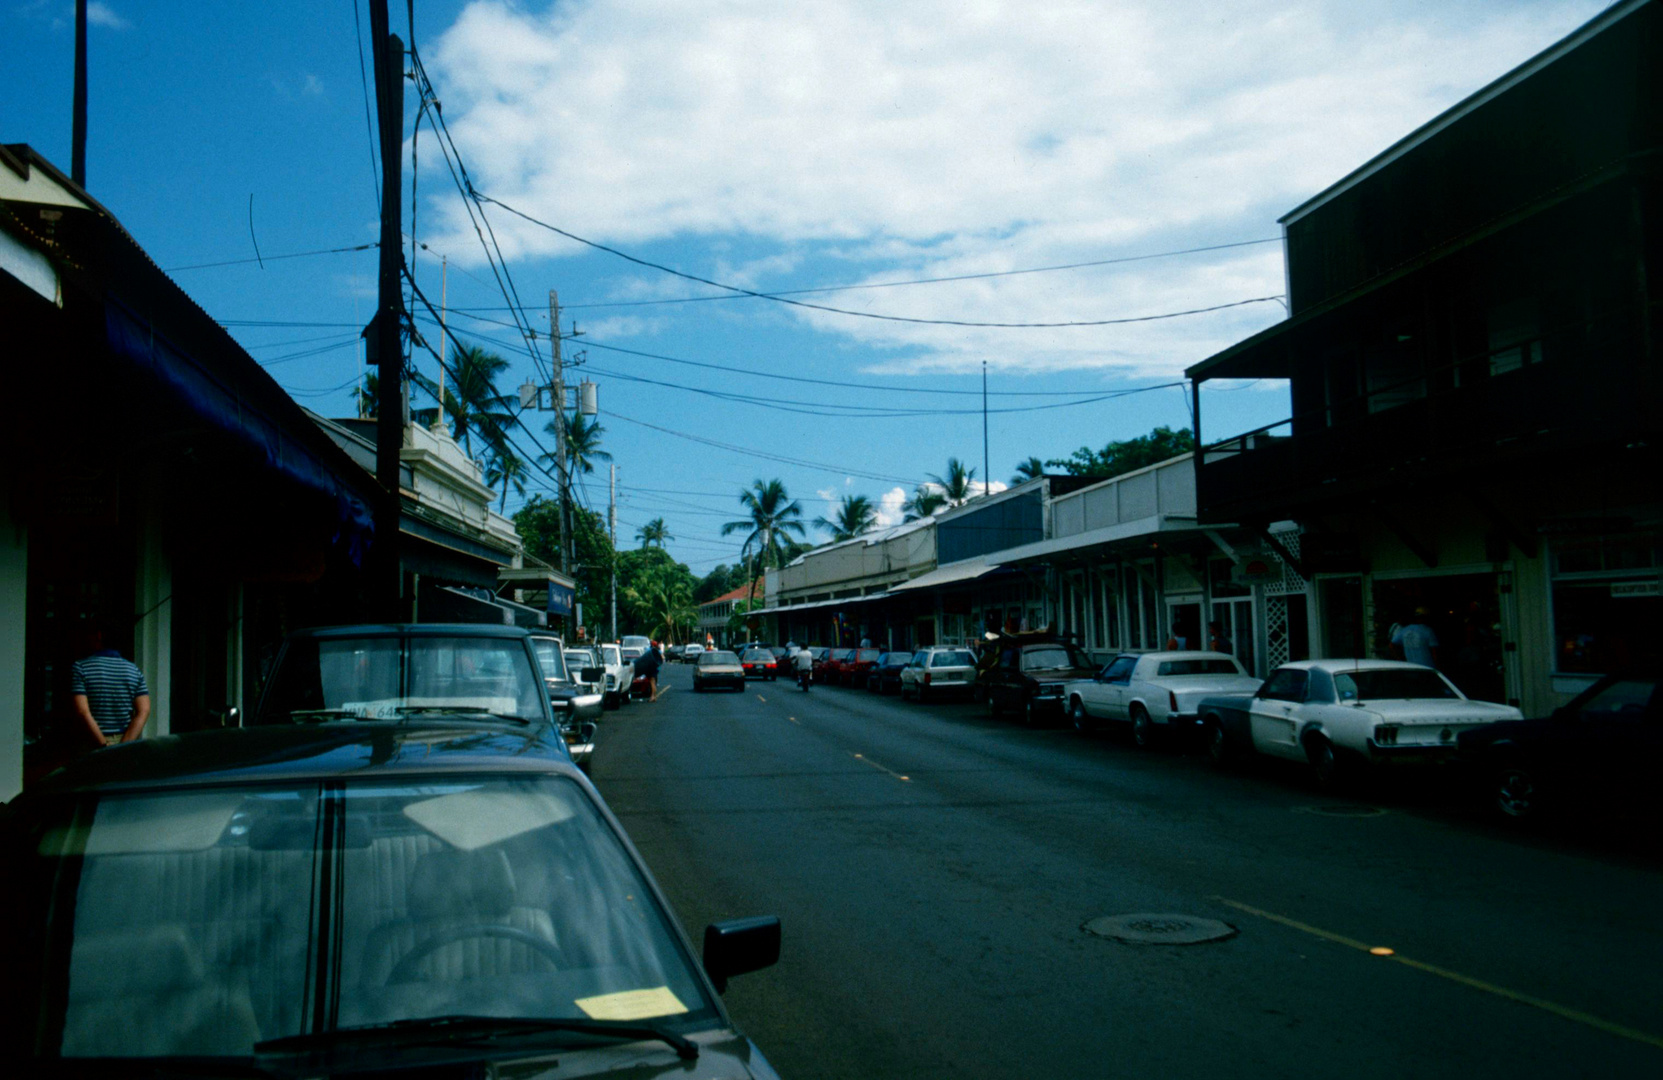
(804, 678)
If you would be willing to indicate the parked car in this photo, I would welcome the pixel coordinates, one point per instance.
(885, 676)
(691, 652)
(673, 653)
(938, 671)
(1028, 676)
(759, 664)
(1339, 715)
(852, 671)
(1156, 693)
(718, 667)
(618, 671)
(831, 671)
(1598, 751)
(584, 663)
(334, 899)
(493, 676)
(577, 703)
(821, 655)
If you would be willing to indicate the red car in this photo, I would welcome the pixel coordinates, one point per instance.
(759, 664)
(835, 660)
(853, 670)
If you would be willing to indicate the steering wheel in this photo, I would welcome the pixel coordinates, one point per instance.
(407, 963)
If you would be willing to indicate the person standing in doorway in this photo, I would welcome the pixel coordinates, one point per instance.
(109, 692)
(1415, 641)
(1217, 640)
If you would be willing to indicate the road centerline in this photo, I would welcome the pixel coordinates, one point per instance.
(880, 768)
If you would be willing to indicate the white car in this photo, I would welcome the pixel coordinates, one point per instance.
(1337, 714)
(1156, 693)
(618, 674)
(690, 654)
(580, 659)
(938, 670)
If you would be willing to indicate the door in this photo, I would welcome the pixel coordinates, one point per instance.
(1273, 713)
(1235, 630)
(1106, 696)
(1183, 616)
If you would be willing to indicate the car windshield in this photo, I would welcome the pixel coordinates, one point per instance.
(1053, 658)
(953, 659)
(390, 678)
(757, 656)
(580, 659)
(1212, 666)
(550, 658)
(866, 655)
(298, 909)
(717, 658)
(1380, 684)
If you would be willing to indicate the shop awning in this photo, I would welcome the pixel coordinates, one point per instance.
(967, 570)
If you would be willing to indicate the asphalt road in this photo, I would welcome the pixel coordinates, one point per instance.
(934, 870)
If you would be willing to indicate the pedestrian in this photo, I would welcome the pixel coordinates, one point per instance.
(1217, 641)
(109, 692)
(653, 659)
(1415, 641)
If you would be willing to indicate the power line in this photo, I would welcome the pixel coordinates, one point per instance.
(271, 258)
(369, 121)
(840, 470)
(778, 299)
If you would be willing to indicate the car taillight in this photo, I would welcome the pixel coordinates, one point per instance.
(1172, 700)
(926, 678)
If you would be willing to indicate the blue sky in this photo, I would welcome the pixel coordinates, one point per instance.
(774, 148)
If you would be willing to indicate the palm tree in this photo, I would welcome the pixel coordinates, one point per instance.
(956, 485)
(1032, 469)
(654, 532)
(670, 606)
(471, 398)
(926, 500)
(772, 513)
(507, 469)
(368, 397)
(855, 515)
(583, 443)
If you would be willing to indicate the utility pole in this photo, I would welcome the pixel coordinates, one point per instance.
(564, 537)
(387, 584)
(78, 121)
(612, 527)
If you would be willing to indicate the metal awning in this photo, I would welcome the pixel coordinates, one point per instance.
(842, 601)
(1158, 525)
(967, 570)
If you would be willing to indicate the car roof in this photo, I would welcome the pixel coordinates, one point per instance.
(415, 630)
(1336, 666)
(1183, 654)
(313, 752)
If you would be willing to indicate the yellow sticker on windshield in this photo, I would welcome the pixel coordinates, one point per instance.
(632, 1004)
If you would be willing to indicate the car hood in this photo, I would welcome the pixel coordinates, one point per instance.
(1062, 675)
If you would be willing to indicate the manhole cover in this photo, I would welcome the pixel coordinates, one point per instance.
(1341, 811)
(1160, 929)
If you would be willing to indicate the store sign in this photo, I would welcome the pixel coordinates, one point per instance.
(1625, 589)
(1257, 569)
(561, 599)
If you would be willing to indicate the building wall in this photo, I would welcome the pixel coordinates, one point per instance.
(14, 583)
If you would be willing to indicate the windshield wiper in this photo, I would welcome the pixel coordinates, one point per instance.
(458, 1028)
(454, 710)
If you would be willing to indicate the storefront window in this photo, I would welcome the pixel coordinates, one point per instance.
(1607, 606)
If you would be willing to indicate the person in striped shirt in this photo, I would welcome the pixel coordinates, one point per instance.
(110, 694)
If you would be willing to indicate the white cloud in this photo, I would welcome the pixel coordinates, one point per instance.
(312, 85)
(928, 140)
(100, 14)
(892, 507)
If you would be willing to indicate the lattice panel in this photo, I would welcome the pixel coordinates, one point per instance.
(1276, 631)
(1291, 581)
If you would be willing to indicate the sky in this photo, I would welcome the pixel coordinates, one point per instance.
(1102, 179)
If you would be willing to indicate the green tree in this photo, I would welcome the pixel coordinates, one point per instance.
(855, 515)
(771, 514)
(471, 399)
(955, 486)
(368, 397)
(926, 500)
(1032, 469)
(539, 530)
(507, 469)
(1128, 455)
(645, 576)
(583, 444)
(654, 532)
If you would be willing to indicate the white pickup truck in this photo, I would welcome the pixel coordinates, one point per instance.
(1155, 692)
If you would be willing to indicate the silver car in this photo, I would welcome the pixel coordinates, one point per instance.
(937, 671)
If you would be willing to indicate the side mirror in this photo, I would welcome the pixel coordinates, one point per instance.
(586, 731)
(737, 946)
(593, 674)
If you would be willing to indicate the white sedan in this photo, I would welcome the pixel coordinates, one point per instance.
(1336, 714)
(618, 674)
(1156, 692)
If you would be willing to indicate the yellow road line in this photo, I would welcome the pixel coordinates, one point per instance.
(794, 720)
(1561, 1011)
(880, 768)
(762, 699)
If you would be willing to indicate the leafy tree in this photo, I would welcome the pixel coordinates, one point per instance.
(583, 444)
(771, 514)
(471, 398)
(645, 577)
(955, 486)
(539, 531)
(855, 515)
(368, 397)
(721, 580)
(926, 500)
(1127, 455)
(1032, 469)
(654, 532)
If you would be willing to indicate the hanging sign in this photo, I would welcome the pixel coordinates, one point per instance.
(561, 599)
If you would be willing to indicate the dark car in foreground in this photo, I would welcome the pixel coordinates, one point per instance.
(718, 667)
(1599, 751)
(1027, 677)
(759, 664)
(368, 899)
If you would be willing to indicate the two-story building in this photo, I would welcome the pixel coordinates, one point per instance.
(1472, 360)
